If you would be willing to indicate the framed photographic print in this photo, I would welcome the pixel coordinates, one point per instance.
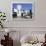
(22, 11)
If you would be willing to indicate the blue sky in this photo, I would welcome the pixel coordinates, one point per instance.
(25, 6)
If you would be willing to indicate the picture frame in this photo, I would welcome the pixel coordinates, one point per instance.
(17, 14)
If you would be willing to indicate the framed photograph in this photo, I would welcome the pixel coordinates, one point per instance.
(23, 10)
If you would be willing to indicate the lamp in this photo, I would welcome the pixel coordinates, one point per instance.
(7, 31)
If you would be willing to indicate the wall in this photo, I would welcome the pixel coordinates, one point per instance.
(38, 24)
(39, 19)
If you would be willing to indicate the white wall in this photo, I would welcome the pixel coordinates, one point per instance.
(40, 16)
(38, 24)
